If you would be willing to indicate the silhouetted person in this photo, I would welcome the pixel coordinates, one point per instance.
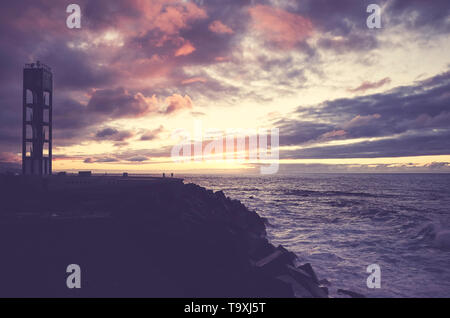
(164, 175)
(171, 175)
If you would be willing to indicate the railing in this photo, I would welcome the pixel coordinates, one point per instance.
(38, 64)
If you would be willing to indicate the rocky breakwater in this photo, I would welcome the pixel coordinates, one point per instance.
(162, 239)
(232, 241)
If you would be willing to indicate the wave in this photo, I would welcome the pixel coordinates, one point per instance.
(343, 203)
(243, 189)
(436, 234)
(308, 193)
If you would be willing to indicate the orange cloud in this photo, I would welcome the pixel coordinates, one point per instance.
(154, 68)
(334, 133)
(169, 16)
(359, 121)
(218, 27)
(9, 157)
(280, 27)
(222, 59)
(194, 80)
(370, 85)
(175, 18)
(186, 49)
(177, 102)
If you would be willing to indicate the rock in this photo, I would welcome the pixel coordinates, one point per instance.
(308, 269)
(325, 289)
(220, 194)
(258, 247)
(266, 221)
(275, 263)
(305, 279)
(350, 293)
(272, 287)
(298, 289)
(324, 282)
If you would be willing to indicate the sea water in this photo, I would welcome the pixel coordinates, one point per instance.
(342, 223)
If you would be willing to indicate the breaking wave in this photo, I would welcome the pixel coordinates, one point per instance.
(437, 235)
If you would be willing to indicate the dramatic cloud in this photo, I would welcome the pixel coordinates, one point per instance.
(218, 27)
(151, 134)
(370, 85)
(425, 144)
(194, 80)
(280, 27)
(406, 121)
(138, 159)
(417, 14)
(177, 102)
(135, 64)
(119, 103)
(100, 160)
(361, 121)
(186, 49)
(113, 134)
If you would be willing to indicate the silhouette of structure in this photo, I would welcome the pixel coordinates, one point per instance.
(37, 119)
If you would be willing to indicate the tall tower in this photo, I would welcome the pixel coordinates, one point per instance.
(37, 119)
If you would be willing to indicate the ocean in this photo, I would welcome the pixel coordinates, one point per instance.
(342, 223)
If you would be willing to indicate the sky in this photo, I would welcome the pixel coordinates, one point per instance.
(139, 74)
